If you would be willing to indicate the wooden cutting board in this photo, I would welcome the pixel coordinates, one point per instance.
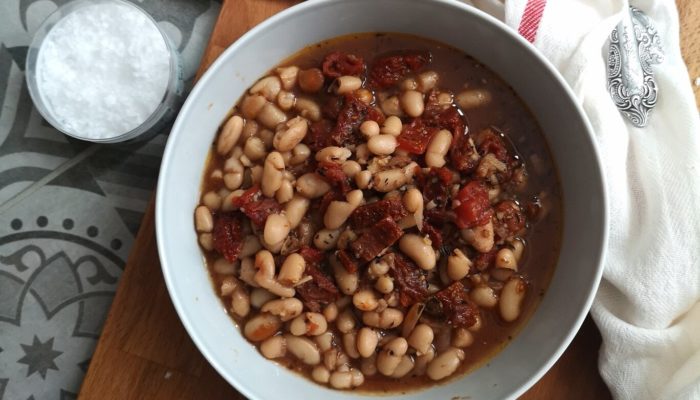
(144, 351)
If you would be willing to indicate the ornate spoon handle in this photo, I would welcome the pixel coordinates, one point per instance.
(634, 47)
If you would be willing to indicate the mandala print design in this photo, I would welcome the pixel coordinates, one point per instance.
(69, 211)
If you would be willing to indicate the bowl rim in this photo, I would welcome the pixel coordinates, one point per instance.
(597, 261)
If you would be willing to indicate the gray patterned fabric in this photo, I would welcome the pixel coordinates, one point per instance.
(69, 211)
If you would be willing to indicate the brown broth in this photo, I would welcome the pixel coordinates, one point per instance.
(511, 116)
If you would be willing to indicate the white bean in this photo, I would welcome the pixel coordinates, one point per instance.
(303, 349)
(212, 200)
(277, 228)
(252, 105)
(350, 344)
(233, 180)
(311, 185)
(483, 296)
(285, 192)
(271, 116)
(427, 81)
(229, 135)
(351, 168)
(392, 126)
(326, 239)
(273, 174)
(265, 275)
(480, 237)
(206, 240)
(384, 285)
(300, 153)
(320, 374)
(347, 281)
(437, 149)
(341, 380)
(240, 301)
(391, 106)
(412, 103)
(308, 109)
(419, 250)
(291, 134)
(369, 128)
(339, 211)
(473, 98)
(292, 269)
(203, 220)
(259, 297)
(333, 154)
(254, 148)
(445, 364)
(462, 338)
(261, 327)
(288, 76)
(285, 309)
(458, 265)
(274, 347)
(367, 340)
(365, 300)
(421, 338)
(382, 145)
(295, 209)
(346, 84)
(268, 87)
(512, 297)
(506, 259)
(308, 323)
(387, 319)
(405, 366)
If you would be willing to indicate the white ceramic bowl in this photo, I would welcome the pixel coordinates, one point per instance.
(570, 294)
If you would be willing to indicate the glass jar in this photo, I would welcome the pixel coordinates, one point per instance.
(161, 115)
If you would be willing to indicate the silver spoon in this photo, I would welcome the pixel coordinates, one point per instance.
(634, 47)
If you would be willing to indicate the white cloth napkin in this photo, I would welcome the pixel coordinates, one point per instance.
(648, 305)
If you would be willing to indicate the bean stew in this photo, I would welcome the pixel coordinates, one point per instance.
(380, 212)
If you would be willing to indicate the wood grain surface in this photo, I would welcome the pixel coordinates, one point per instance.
(144, 351)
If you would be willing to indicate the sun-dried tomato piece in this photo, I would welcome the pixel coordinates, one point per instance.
(439, 217)
(432, 105)
(435, 185)
(311, 255)
(374, 240)
(433, 233)
(369, 214)
(415, 136)
(255, 207)
(331, 108)
(319, 135)
(320, 290)
(484, 261)
(388, 70)
(456, 306)
(350, 263)
(351, 115)
(509, 219)
(228, 235)
(492, 142)
(333, 173)
(337, 64)
(410, 280)
(451, 120)
(474, 208)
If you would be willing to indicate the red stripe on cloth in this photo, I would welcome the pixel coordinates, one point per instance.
(531, 19)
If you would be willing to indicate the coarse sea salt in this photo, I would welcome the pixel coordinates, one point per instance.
(102, 70)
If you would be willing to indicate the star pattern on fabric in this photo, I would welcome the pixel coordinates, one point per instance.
(39, 357)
